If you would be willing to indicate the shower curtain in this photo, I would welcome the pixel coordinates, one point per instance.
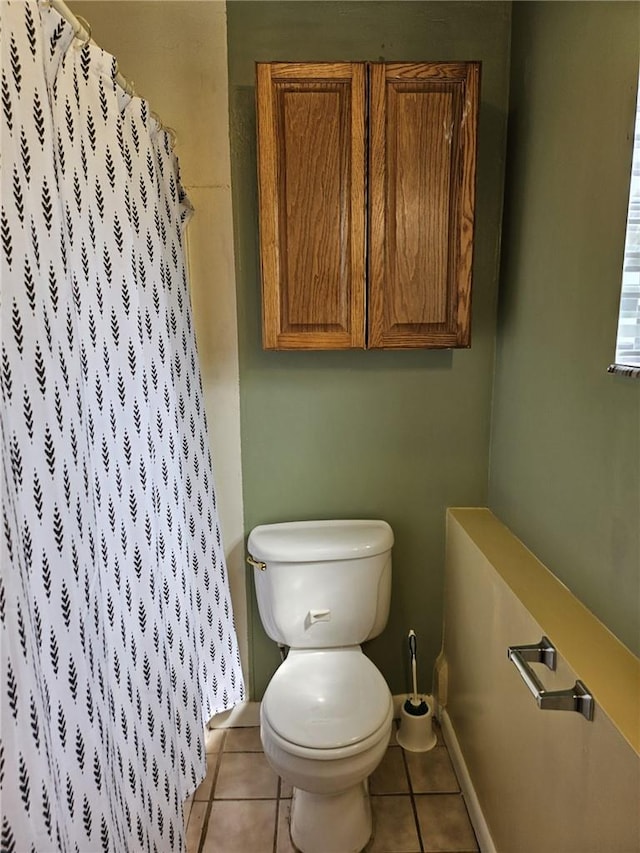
(116, 627)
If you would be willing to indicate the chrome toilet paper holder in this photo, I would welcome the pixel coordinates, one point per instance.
(576, 698)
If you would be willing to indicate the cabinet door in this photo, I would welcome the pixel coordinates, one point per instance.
(311, 163)
(422, 156)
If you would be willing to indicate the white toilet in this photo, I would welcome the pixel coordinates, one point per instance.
(323, 587)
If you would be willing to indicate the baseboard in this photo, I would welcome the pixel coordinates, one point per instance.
(248, 713)
(480, 827)
(244, 714)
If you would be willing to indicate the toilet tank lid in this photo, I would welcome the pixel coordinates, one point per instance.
(315, 541)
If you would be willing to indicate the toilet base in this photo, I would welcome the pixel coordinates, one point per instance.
(331, 823)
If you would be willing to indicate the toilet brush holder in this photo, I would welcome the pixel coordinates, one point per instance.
(416, 726)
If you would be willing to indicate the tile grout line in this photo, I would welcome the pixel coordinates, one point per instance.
(275, 829)
(205, 822)
(412, 800)
(244, 800)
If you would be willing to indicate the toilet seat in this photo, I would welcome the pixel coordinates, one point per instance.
(327, 701)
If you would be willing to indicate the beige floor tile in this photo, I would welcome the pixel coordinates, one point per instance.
(245, 776)
(394, 826)
(213, 739)
(444, 823)
(432, 772)
(203, 791)
(284, 844)
(390, 777)
(243, 740)
(241, 827)
(197, 815)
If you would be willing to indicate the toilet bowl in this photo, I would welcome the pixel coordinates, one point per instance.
(325, 723)
(326, 715)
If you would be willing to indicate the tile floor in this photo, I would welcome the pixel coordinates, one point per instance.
(243, 807)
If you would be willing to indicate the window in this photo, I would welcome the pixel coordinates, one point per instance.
(628, 338)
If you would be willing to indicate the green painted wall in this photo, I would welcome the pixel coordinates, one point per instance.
(396, 435)
(565, 449)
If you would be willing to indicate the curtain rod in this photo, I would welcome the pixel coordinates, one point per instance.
(82, 31)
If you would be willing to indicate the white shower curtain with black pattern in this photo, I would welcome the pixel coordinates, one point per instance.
(117, 635)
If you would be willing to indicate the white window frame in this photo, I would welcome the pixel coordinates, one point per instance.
(627, 358)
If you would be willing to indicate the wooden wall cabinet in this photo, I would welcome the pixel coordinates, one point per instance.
(366, 175)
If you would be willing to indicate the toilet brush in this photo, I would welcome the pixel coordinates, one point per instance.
(416, 719)
(414, 704)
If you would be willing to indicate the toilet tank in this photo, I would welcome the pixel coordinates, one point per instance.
(325, 583)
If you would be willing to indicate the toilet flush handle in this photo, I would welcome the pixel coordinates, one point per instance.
(257, 564)
(314, 616)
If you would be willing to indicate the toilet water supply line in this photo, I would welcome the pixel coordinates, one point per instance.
(414, 705)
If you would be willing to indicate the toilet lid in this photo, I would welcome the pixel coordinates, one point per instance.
(325, 699)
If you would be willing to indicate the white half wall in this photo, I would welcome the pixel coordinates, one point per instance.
(543, 780)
